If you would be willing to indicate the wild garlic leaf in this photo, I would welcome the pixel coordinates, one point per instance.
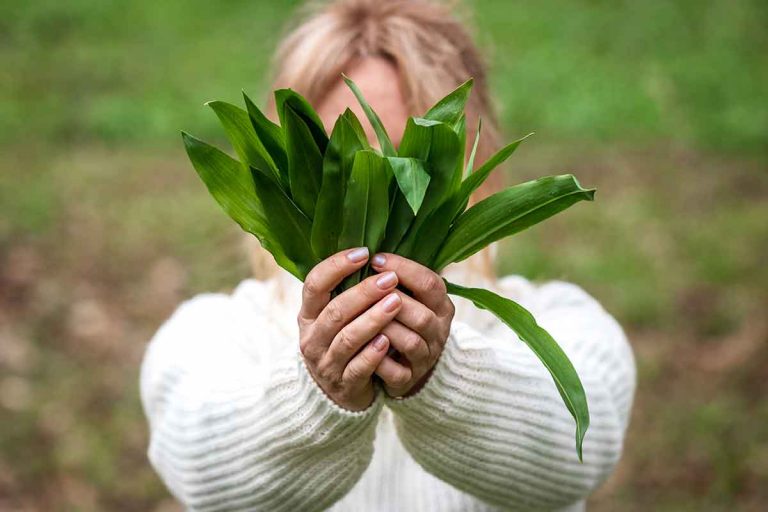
(508, 212)
(475, 179)
(289, 227)
(337, 167)
(242, 136)
(441, 162)
(471, 161)
(543, 345)
(412, 179)
(366, 206)
(305, 161)
(302, 107)
(230, 184)
(415, 143)
(271, 136)
(381, 133)
(450, 109)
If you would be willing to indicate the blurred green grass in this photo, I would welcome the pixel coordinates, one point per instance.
(104, 227)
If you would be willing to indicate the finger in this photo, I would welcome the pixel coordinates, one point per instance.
(352, 337)
(426, 285)
(360, 369)
(418, 317)
(325, 276)
(351, 303)
(408, 343)
(397, 377)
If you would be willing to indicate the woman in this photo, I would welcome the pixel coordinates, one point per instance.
(250, 411)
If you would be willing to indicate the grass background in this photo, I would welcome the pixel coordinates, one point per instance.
(104, 227)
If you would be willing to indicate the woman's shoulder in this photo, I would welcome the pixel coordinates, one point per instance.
(251, 296)
(546, 295)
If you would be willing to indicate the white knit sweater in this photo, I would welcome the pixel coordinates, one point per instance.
(237, 423)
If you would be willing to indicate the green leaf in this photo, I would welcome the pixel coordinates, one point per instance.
(230, 184)
(366, 206)
(302, 107)
(305, 162)
(471, 161)
(242, 136)
(337, 167)
(458, 173)
(438, 223)
(271, 136)
(381, 133)
(475, 179)
(543, 345)
(288, 224)
(508, 212)
(451, 108)
(412, 179)
(415, 143)
(444, 152)
(357, 128)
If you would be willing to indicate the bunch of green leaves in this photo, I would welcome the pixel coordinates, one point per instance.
(307, 195)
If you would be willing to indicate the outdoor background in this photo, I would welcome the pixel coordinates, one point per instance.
(105, 228)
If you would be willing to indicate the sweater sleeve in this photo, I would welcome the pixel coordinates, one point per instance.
(490, 420)
(237, 422)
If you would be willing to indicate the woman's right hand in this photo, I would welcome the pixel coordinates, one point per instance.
(339, 338)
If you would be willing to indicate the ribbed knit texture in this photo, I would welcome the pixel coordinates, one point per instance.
(237, 423)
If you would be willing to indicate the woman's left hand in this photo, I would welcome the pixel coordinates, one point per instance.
(420, 329)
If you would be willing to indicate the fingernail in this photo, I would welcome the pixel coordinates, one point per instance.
(358, 255)
(380, 342)
(379, 260)
(391, 303)
(386, 280)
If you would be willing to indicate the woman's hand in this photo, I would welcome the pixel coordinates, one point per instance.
(340, 338)
(420, 328)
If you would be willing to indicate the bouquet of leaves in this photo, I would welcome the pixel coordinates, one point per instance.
(306, 196)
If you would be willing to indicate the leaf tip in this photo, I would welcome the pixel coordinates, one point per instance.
(580, 443)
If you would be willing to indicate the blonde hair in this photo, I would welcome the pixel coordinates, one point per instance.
(431, 49)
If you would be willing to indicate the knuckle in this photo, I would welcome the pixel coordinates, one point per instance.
(369, 289)
(335, 264)
(354, 373)
(400, 379)
(346, 341)
(304, 344)
(311, 286)
(423, 320)
(307, 347)
(412, 343)
(450, 309)
(431, 282)
(302, 321)
(326, 374)
(334, 313)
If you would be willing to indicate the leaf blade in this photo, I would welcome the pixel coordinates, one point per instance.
(230, 184)
(271, 136)
(412, 179)
(289, 97)
(337, 167)
(508, 212)
(381, 133)
(288, 224)
(366, 206)
(305, 162)
(444, 153)
(450, 108)
(243, 137)
(543, 345)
